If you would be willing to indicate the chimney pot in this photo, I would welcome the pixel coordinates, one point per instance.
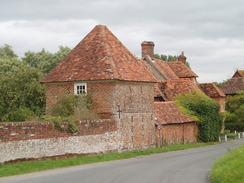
(182, 57)
(147, 49)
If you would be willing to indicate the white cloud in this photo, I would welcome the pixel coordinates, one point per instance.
(210, 32)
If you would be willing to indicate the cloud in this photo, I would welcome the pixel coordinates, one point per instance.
(210, 32)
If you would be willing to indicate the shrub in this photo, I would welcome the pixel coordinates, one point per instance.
(71, 109)
(206, 110)
(21, 114)
(235, 127)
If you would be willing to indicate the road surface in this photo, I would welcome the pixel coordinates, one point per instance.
(187, 166)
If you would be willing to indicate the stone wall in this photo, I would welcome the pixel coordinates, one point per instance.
(24, 140)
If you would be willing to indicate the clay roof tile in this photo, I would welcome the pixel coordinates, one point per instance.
(100, 56)
(170, 113)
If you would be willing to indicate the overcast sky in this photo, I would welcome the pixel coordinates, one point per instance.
(210, 32)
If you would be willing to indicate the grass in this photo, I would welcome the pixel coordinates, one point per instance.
(34, 166)
(230, 168)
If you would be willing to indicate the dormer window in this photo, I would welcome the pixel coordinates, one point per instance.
(80, 88)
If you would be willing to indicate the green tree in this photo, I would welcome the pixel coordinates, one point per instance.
(44, 60)
(206, 110)
(235, 112)
(7, 51)
(169, 58)
(21, 94)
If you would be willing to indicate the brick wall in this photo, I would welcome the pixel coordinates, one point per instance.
(136, 118)
(39, 130)
(24, 140)
(221, 101)
(54, 90)
(178, 133)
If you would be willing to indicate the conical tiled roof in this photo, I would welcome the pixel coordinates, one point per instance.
(100, 56)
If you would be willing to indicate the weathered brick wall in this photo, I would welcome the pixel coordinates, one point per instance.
(39, 130)
(129, 103)
(179, 133)
(54, 90)
(103, 97)
(221, 101)
(39, 139)
(136, 117)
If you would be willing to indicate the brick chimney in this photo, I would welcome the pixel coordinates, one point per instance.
(147, 48)
(182, 57)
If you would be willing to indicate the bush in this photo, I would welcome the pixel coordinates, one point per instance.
(198, 106)
(18, 115)
(71, 109)
(235, 127)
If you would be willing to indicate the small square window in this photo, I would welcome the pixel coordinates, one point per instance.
(80, 88)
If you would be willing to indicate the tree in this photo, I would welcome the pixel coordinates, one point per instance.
(235, 112)
(21, 94)
(169, 58)
(44, 60)
(7, 51)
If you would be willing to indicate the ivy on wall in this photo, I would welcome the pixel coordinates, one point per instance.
(198, 106)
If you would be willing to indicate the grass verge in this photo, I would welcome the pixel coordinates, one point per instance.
(34, 166)
(229, 169)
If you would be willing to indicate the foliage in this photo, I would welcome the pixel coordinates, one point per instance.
(219, 84)
(229, 169)
(21, 94)
(34, 166)
(44, 60)
(6, 51)
(169, 58)
(235, 127)
(235, 112)
(72, 109)
(206, 110)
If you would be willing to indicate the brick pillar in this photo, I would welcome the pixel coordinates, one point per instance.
(147, 48)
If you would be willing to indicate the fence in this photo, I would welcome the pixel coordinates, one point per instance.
(236, 135)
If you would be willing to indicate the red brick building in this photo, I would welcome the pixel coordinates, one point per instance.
(137, 94)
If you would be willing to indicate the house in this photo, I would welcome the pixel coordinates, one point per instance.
(121, 86)
(235, 84)
(211, 90)
(137, 93)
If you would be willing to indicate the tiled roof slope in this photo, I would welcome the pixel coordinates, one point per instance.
(172, 88)
(169, 113)
(239, 73)
(233, 85)
(211, 90)
(165, 69)
(181, 70)
(100, 56)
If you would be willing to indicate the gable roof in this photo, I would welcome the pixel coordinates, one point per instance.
(169, 113)
(181, 70)
(233, 85)
(211, 90)
(165, 69)
(100, 56)
(172, 88)
(239, 73)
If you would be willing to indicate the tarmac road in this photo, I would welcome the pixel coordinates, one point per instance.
(187, 166)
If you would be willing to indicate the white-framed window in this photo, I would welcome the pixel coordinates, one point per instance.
(80, 88)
